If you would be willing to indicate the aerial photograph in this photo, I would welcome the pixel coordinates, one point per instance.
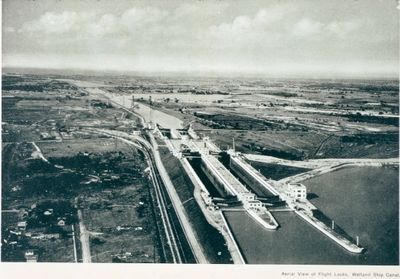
(260, 132)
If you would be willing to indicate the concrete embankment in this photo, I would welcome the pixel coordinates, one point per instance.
(345, 243)
(239, 259)
(313, 173)
(326, 169)
(320, 163)
(214, 218)
(177, 204)
(271, 224)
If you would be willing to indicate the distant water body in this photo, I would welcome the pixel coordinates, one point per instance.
(363, 201)
(149, 114)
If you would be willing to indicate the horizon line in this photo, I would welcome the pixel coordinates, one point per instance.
(209, 73)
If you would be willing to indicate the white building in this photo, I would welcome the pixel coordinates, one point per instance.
(30, 257)
(206, 197)
(22, 225)
(254, 204)
(297, 191)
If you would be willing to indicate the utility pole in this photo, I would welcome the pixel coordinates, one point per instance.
(154, 252)
(150, 112)
(133, 102)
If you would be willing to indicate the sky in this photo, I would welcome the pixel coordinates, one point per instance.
(306, 38)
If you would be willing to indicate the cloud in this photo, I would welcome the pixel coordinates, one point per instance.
(261, 35)
(53, 23)
(187, 26)
(83, 24)
(9, 29)
(307, 27)
(244, 23)
(343, 28)
(107, 24)
(264, 28)
(135, 18)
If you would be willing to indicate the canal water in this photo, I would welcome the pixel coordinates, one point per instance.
(363, 201)
(184, 97)
(149, 114)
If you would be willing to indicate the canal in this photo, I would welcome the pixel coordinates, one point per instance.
(149, 114)
(363, 201)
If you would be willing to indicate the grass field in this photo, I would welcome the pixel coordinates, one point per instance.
(275, 171)
(90, 145)
(125, 229)
(34, 105)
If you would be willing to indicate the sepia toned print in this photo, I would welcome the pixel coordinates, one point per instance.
(208, 132)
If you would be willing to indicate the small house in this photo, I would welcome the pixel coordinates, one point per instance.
(21, 225)
(61, 222)
(30, 256)
(48, 212)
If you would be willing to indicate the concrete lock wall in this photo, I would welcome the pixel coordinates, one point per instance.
(215, 181)
(248, 179)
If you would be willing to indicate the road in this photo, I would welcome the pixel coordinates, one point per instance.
(319, 166)
(84, 237)
(317, 163)
(176, 202)
(168, 226)
(38, 152)
(173, 241)
(74, 242)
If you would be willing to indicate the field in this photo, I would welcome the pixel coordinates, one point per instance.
(52, 166)
(55, 166)
(291, 119)
(276, 172)
(121, 233)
